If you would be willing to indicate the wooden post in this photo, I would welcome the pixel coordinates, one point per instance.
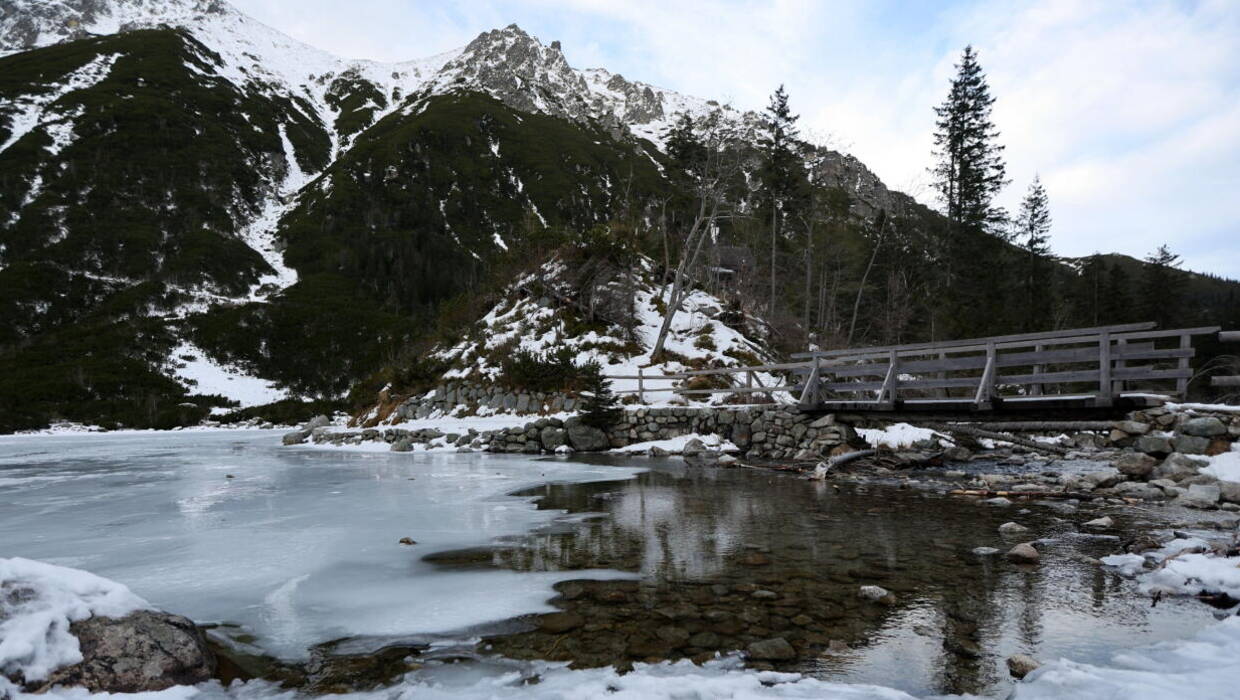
(1181, 384)
(941, 392)
(1104, 369)
(1117, 386)
(891, 383)
(811, 386)
(1229, 336)
(641, 387)
(986, 385)
(1036, 389)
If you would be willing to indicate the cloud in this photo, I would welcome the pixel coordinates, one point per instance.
(1127, 110)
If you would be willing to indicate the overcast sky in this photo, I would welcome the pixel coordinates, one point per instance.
(1129, 111)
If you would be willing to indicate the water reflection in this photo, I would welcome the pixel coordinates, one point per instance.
(731, 557)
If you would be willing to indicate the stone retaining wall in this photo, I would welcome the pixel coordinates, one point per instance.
(760, 433)
(469, 397)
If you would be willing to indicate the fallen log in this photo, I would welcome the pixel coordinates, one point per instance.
(1044, 426)
(1003, 437)
(988, 493)
(823, 468)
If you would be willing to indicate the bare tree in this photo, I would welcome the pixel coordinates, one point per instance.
(714, 170)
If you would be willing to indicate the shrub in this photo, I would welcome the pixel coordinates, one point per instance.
(600, 408)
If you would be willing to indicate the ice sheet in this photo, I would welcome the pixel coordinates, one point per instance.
(301, 546)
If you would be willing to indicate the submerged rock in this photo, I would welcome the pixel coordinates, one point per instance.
(1100, 523)
(1012, 528)
(1023, 553)
(777, 649)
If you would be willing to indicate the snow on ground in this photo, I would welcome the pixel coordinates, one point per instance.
(1205, 667)
(1225, 467)
(896, 435)
(38, 601)
(676, 445)
(1207, 407)
(206, 376)
(31, 111)
(1183, 566)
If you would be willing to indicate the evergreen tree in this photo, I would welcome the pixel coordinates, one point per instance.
(600, 408)
(684, 145)
(1088, 290)
(1117, 306)
(1162, 285)
(782, 168)
(1033, 228)
(968, 174)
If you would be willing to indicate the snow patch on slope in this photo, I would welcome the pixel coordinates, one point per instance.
(29, 112)
(205, 376)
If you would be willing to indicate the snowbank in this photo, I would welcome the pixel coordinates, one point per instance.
(1225, 467)
(1205, 667)
(1183, 566)
(896, 436)
(677, 444)
(38, 601)
(206, 376)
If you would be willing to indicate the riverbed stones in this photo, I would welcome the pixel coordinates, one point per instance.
(142, 652)
(775, 649)
(1201, 496)
(1021, 665)
(1023, 553)
(1178, 467)
(1103, 523)
(1012, 528)
(1135, 464)
(1133, 427)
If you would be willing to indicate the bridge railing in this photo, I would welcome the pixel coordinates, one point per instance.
(1095, 365)
(1227, 381)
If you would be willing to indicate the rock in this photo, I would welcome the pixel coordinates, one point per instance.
(726, 460)
(1178, 467)
(407, 541)
(997, 501)
(1153, 445)
(657, 451)
(1133, 427)
(552, 437)
(985, 551)
(402, 445)
(317, 422)
(1139, 489)
(693, 448)
(1023, 553)
(1135, 464)
(141, 652)
(1012, 528)
(585, 438)
(1205, 426)
(1229, 491)
(1218, 446)
(1102, 523)
(296, 437)
(1190, 444)
(1021, 665)
(874, 593)
(764, 595)
(957, 454)
(1102, 479)
(560, 622)
(777, 649)
(1203, 496)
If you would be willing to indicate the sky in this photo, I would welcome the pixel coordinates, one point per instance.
(1129, 112)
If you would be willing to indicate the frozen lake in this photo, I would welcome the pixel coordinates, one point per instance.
(300, 546)
(295, 547)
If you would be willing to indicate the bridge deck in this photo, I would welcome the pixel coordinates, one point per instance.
(1105, 368)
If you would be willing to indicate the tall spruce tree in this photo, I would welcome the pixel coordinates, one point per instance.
(1033, 227)
(968, 174)
(1117, 305)
(1162, 286)
(783, 169)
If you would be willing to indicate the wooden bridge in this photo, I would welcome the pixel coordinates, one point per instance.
(1109, 367)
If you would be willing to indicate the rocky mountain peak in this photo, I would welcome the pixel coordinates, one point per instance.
(28, 24)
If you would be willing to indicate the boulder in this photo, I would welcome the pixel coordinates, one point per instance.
(296, 437)
(1205, 426)
(1023, 553)
(142, 652)
(957, 454)
(1135, 464)
(1140, 489)
(874, 593)
(1021, 665)
(1229, 491)
(1190, 444)
(1178, 467)
(1102, 479)
(777, 649)
(693, 448)
(1203, 496)
(402, 445)
(585, 438)
(1153, 445)
(552, 437)
(1133, 427)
